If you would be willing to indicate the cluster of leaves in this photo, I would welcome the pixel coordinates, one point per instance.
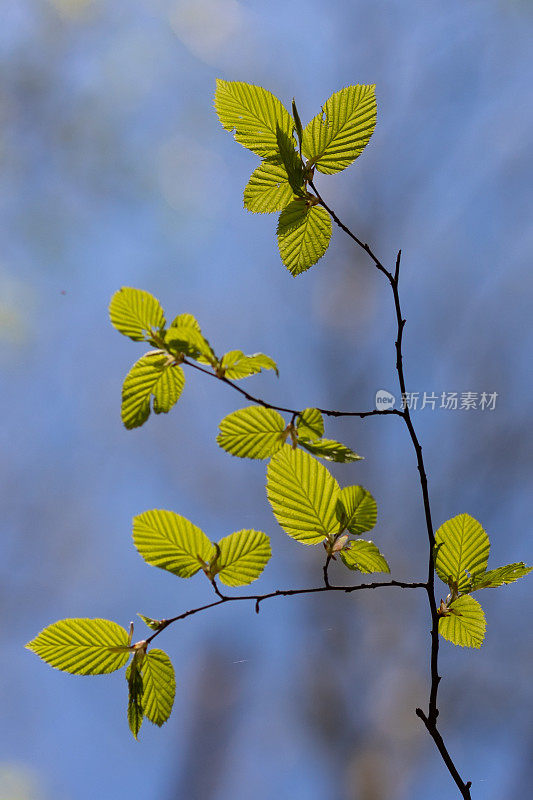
(461, 556)
(329, 143)
(157, 376)
(257, 432)
(98, 647)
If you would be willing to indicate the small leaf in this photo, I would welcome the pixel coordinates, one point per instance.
(169, 541)
(188, 339)
(461, 551)
(135, 693)
(236, 365)
(153, 374)
(466, 624)
(303, 235)
(364, 557)
(330, 450)
(136, 313)
(185, 321)
(243, 557)
(82, 646)
(159, 683)
(153, 624)
(253, 113)
(291, 161)
(252, 432)
(357, 510)
(303, 495)
(268, 189)
(297, 122)
(497, 577)
(310, 424)
(335, 137)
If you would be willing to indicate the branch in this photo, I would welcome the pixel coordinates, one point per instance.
(293, 411)
(430, 720)
(260, 598)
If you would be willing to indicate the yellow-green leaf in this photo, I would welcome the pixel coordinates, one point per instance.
(357, 510)
(364, 557)
(243, 557)
(153, 374)
(159, 686)
(335, 137)
(268, 189)
(188, 339)
(82, 646)
(303, 495)
(461, 551)
(236, 365)
(330, 450)
(466, 624)
(136, 313)
(303, 235)
(169, 541)
(253, 113)
(310, 424)
(135, 693)
(252, 432)
(498, 577)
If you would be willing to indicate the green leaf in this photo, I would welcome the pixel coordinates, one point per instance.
(252, 432)
(364, 557)
(188, 339)
(330, 450)
(497, 577)
(136, 314)
(335, 137)
(461, 551)
(357, 510)
(159, 686)
(291, 161)
(236, 365)
(253, 113)
(153, 374)
(82, 646)
(310, 424)
(466, 624)
(153, 624)
(268, 189)
(297, 122)
(303, 235)
(135, 693)
(169, 541)
(303, 495)
(185, 321)
(243, 557)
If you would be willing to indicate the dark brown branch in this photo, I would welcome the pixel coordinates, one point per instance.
(293, 411)
(260, 598)
(430, 720)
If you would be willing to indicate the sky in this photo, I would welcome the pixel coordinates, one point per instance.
(116, 171)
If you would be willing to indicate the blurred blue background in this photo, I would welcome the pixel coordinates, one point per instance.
(116, 171)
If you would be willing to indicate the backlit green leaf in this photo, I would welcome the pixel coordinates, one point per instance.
(188, 339)
(497, 577)
(136, 314)
(185, 321)
(135, 693)
(461, 551)
(153, 374)
(169, 541)
(159, 686)
(291, 161)
(303, 495)
(82, 646)
(243, 557)
(253, 113)
(303, 235)
(356, 509)
(236, 365)
(364, 557)
(268, 189)
(466, 624)
(310, 424)
(153, 624)
(335, 137)
(330, 450)
(252, 432)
